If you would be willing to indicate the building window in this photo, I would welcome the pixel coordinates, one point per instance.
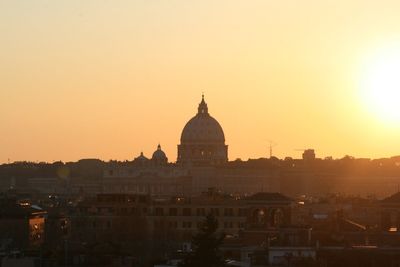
(187, 212)
(228, 225)
(173, 225)
(134, 210)
(277, 218)
(142, 199)
(201, 212)
(242, 212)
(159, 212)
(187, 224)
(214, 211)
(228, 212)
(173, 211)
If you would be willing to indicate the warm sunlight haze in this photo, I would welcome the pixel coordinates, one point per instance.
(108, 79)
(200, 133)
(380, 84)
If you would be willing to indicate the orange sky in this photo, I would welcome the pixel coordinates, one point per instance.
(108, 79)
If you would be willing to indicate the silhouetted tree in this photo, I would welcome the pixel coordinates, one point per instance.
(205, 246)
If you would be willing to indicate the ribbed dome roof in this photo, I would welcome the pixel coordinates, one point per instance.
(202, 128)
(159, 154)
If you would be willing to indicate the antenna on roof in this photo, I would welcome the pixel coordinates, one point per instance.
(271, 145)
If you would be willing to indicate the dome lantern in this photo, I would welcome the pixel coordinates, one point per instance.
(203, 109)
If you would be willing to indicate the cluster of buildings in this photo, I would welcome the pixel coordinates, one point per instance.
(201, 164)
(263, 229)
(145, 212)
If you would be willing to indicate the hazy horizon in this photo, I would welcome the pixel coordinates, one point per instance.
(109, 79)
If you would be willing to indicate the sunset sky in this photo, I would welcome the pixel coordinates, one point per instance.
(108, 79)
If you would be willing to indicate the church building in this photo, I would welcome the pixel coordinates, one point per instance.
(202, 163)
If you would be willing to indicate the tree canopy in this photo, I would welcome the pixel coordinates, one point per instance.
(205, 246)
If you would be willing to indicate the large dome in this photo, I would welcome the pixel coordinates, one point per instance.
(202, 140)
(202, 128)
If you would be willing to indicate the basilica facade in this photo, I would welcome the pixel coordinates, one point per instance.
(202, 163)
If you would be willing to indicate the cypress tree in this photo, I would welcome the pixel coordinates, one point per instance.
(205, 246)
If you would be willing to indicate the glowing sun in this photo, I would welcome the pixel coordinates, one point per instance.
(381, 84)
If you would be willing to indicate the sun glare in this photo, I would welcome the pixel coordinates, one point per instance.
(381, 84)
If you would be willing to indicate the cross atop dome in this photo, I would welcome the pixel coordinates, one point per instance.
(203, 109)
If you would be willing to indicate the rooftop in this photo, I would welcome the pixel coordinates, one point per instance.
(395, 198)
(266, 196)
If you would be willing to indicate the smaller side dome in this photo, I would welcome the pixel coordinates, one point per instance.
(159, 155)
